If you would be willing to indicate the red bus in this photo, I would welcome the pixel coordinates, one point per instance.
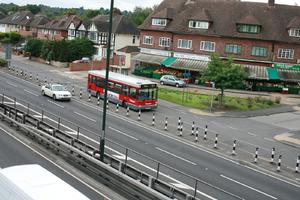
(124, 90)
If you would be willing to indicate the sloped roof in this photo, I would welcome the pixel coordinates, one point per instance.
(249, 19)
(121, 25)
(166, 13)
(225, 14)
(39, 20)
(18, 18)
(129, 49)
(62, 23)
(294, 23)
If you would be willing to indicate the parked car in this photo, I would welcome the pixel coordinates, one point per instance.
(56, 91)
(172, 80)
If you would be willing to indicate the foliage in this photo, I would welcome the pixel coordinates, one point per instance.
(224, 74)
(35, 9)
(12, 38)
(139, 15)
(3, 63)
(34, 47)
(202, 101)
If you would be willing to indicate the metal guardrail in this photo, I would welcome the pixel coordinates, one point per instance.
(87, 154)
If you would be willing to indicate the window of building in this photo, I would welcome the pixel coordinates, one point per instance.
(72, 32)
(246, 28)
(286, 53)
(148, 40)
(259, 51)
(198, 24)
(184, 44)
(159, 22)
(164, 41)
(93, 36)
(103, 38)
(233, 48)
(294, 32)
(133, 39)
(207, 46)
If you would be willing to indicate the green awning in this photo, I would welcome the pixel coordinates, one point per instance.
(273, 74)
(168, 61)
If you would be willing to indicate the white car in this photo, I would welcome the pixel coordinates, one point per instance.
(56, 91)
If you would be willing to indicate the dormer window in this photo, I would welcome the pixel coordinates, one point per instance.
(198, 24)
(159, 22)
(294, 32)
(248, 28)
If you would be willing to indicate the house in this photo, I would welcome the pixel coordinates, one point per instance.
(124, 33)
(78, 30)
(182, 35)
(57, 29)
(16, 22)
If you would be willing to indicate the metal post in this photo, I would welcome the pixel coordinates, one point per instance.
(166, 123)
(157, 172)
(205, 133)
(180, 131)
(42, 115)
(30, 76)
(89, 97)
(272, 155)
(216, 142)
(179, 122)
(78, 132)
(73, 91)
(197, 132)
(233, 148)
(98, 100)
(15, 102)
(117, 109)
(193, 127)
(127, 111)
(153, 119)
(297, 164)
(256, 155)
(196, 186)
(279, 163)
(58, 123)
(102, 139)
(80, 93)
(139, 115)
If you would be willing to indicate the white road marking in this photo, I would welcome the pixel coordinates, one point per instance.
(77, 113)
(181, 186)
(233, 128)
(254, 145)
(253, 134)
(175, 156)
(269, 139)
(11, 84)
(58, 166)
(235, 181)
(56, 104)
(31, 93)
(122, 133)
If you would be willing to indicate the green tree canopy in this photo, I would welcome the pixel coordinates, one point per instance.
(35, 9)
(12, 38)
(139, 15)
(34, 47)
(224, 74)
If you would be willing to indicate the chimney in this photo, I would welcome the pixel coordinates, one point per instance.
(271, 3)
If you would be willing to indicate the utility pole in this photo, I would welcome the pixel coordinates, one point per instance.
(102, 138)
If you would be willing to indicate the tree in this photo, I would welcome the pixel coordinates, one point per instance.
(10, 38)
(35, 9)
(34, 47)
(224, 74)
(139, 15)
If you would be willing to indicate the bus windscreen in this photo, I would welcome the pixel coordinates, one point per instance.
(149, 93)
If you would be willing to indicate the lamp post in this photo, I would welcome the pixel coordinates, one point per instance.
(102, 138)
(212, 95)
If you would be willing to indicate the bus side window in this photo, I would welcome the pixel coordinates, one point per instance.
(118, 88)
(99, 82)
(132, 92)
(110, 86)
(94, 79)
(125, 90)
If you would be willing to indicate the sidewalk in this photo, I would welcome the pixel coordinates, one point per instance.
(291, 138)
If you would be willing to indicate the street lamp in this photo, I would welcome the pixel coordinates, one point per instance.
(212, 95)
(102, 138)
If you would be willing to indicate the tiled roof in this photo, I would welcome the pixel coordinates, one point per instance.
(62, 23)
(225, 15)
(121, 25)
(129, 49)
(19, 18)
(38, 20)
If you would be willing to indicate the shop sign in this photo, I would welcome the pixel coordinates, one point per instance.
(285, 66)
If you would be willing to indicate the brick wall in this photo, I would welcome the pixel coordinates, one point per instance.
(220, 43)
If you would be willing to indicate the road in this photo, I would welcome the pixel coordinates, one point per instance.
(186, 157)
(15, 152)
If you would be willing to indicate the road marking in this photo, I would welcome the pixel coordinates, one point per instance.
(175, 156)
(253, 134)
(56, 104)
(122, 133)
(52, 162)
(181, 186)
(254, 145)
(10, 103)
(268, 195)
(11, 84)
(31, 92)
(233, 128)
(269, 139)
(77, 113)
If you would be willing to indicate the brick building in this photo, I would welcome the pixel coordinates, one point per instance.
(182, 34)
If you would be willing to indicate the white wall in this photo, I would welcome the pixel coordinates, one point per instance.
(123, 40)
(2, 28)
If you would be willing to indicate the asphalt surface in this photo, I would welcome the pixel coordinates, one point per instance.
(14, 152)
(185, 157)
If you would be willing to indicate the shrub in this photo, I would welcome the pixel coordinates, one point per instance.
(3, 63)
(250, 102)
(277, 100)
(34, 47)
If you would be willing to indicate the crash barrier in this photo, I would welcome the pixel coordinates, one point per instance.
(53, 135)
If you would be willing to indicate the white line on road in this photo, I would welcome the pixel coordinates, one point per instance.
(268, 195)
(122, 133)
(233, 128)
(77, 113)
(56, 104)
(175, 156)
(269, 139)
(254, 145)
(31, 93)
(253, 134)
(11, 84)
